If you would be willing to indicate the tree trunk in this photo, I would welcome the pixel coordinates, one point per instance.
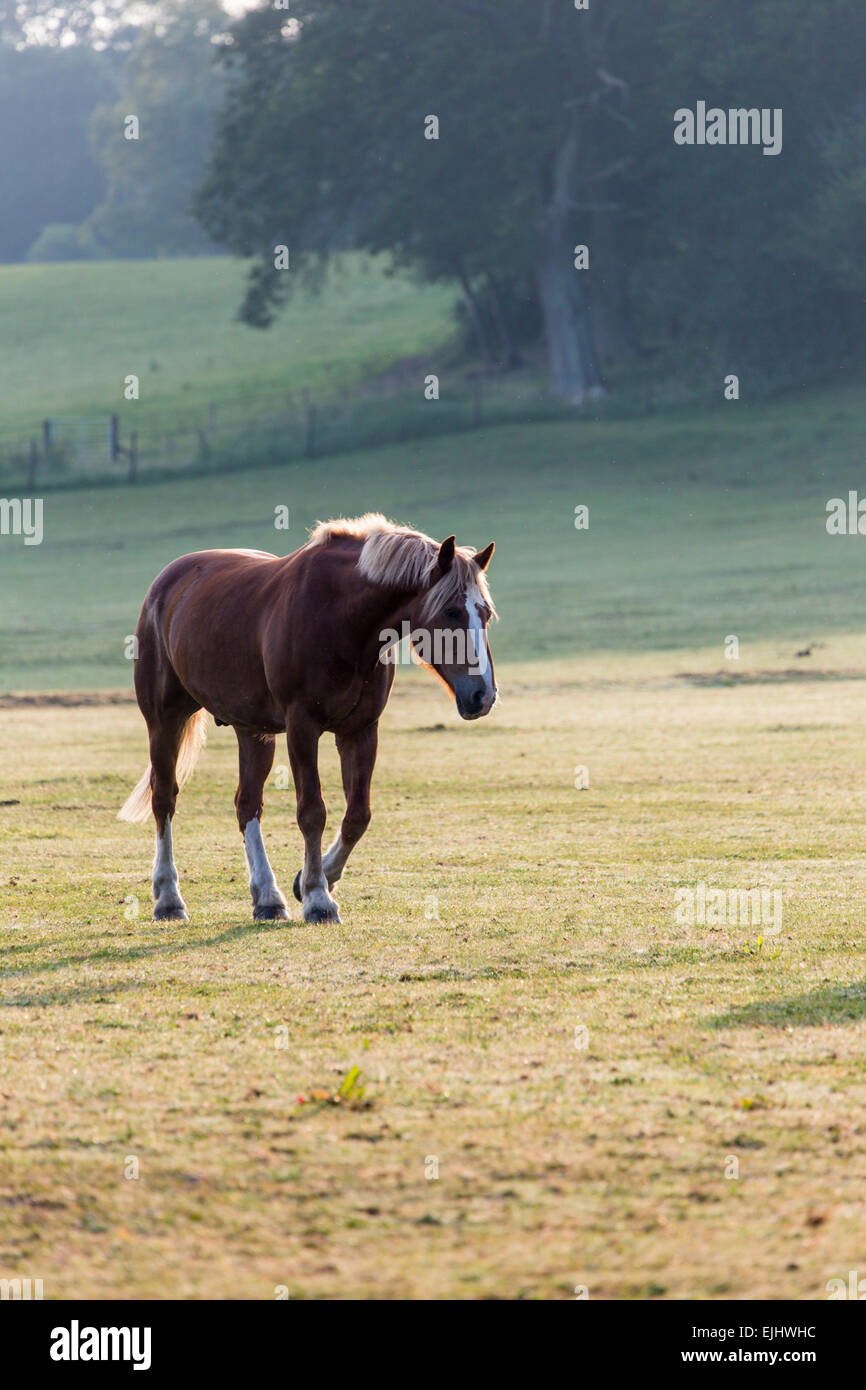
(475, 314)
(572, 358)
(575, 375)
(509, 356)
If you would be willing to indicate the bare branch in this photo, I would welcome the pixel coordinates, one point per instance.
(608, 173)
(610, 81)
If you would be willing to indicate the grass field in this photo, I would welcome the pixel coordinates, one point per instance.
(704, 1137)
(701, 525)
(492, 911)
(69, 335)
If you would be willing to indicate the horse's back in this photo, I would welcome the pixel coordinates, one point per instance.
(201, 573)
(204, 563)
(246, 633)
(201, 629)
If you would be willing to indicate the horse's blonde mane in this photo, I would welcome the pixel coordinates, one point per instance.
(401, 558)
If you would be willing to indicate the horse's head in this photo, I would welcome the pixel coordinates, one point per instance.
(450, 634)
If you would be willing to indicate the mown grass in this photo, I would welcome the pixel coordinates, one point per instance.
(492, 910)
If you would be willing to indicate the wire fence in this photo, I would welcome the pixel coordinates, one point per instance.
(246, 430)
(282, 426)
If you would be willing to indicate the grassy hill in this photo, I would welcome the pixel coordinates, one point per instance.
(69, 334)
(701, 525)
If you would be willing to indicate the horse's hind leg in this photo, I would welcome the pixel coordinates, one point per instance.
(256, 757)
(166, 733)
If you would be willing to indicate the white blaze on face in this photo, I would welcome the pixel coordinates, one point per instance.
(478, 654)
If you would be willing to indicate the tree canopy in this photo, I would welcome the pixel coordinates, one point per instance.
(172, 86)
(555, 130)
(48, 172)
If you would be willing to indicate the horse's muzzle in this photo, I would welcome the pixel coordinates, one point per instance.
(476, 700)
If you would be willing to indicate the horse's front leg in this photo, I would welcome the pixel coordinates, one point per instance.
(303, 741)
(357, 760)
(256, 756)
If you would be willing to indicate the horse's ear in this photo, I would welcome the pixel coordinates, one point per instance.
(482, 559)
(445, 558)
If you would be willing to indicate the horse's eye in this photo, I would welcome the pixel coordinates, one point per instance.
(453, 615)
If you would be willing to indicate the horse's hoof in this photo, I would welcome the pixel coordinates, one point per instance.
(270, 912)
(317, 915)
(296, 887)
(174, 912)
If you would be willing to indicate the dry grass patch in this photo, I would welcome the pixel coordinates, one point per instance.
(492, 911)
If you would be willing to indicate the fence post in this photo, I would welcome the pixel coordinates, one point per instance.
(31, 467)
(133, 456)
(113, 440)
(46, 435)
(211, 417)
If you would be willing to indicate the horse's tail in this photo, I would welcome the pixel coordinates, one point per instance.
(136, 807)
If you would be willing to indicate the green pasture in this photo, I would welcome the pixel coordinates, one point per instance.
(71, 333)
(702, 525)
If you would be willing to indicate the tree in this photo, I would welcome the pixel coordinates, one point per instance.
(751, 260)
(171, 86)
(322, 142)
(47, 173)
(556, 131)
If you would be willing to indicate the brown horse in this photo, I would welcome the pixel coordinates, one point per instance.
(305, 644)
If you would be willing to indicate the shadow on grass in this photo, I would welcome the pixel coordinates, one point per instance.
(107, 955)
(835, 1004)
